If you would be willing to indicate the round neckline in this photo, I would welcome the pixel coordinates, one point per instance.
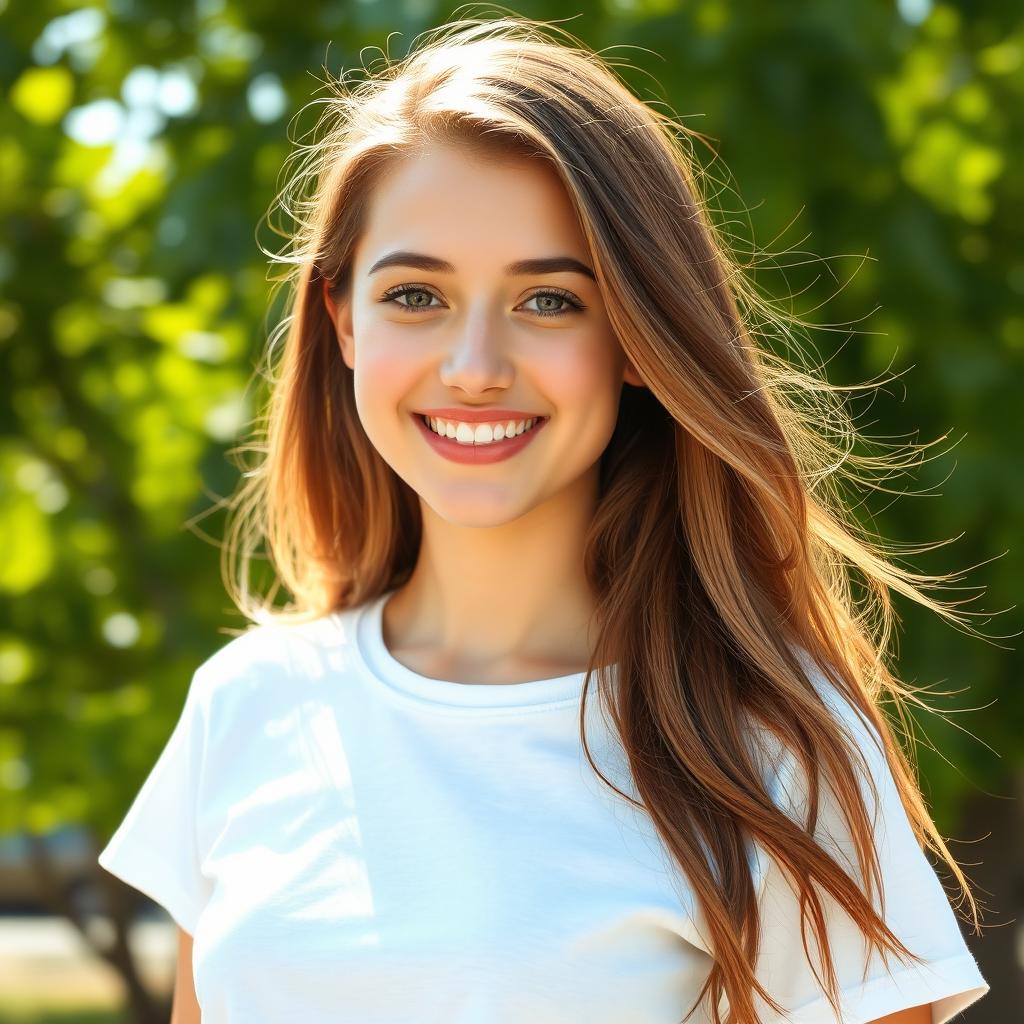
(382, 665)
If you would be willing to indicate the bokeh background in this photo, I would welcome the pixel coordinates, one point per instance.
(873, 148)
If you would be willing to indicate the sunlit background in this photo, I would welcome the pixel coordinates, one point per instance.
(870, 151)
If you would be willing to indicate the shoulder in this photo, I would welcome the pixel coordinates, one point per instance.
(860, 730)
(269, 658)
(784, 773)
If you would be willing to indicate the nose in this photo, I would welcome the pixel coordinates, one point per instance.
(476, 358)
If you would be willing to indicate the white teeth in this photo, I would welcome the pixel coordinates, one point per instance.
(481, 433)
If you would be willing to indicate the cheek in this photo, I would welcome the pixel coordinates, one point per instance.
(583, 375)
(386, 372)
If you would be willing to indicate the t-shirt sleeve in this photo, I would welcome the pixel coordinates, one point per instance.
(155, 848)
(916, 908)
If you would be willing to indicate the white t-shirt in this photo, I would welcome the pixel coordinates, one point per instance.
(348, 840)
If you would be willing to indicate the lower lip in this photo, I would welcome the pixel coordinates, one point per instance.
(477, 454)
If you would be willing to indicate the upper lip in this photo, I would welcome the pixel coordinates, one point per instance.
(480, 415)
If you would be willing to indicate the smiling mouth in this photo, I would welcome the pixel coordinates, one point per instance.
(470, 438)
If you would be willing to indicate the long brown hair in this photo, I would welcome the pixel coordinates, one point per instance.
(722, 553)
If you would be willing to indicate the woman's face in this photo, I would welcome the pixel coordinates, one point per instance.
(473, 335)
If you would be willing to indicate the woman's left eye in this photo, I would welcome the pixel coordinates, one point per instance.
(574, 304)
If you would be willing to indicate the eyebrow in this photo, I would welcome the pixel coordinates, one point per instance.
(521, 268)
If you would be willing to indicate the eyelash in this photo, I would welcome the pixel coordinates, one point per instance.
(576, 306)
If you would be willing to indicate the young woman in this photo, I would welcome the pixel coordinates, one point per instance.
(574, 716)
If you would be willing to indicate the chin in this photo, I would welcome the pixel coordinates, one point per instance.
(477, 512)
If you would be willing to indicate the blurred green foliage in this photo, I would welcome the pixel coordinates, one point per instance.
(141, 141)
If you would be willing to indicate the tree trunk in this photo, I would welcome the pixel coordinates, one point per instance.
(144, 1007)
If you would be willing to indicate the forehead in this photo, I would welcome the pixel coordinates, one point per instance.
(470, 208)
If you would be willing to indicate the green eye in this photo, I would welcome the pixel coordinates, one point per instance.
(574, 305)
(394, 293)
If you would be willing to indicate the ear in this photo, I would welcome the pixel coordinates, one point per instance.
(630, 376)
(339, 310)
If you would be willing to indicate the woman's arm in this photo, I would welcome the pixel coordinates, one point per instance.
(914, 1015)
(185, 1007)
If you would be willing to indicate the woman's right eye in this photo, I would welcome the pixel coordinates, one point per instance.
(393, 294)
